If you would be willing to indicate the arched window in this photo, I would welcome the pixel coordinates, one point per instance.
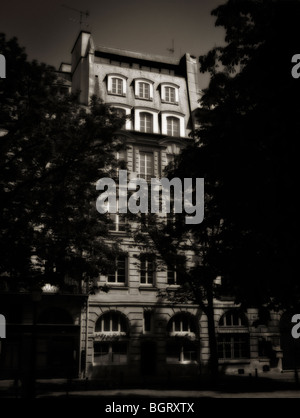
(116, 84)
(110, 344)
(143, 89)
(173, 126)
(111, 321)
(182, 323)
(169, 93)
(233, 318)
(146, 122)
(233, 336)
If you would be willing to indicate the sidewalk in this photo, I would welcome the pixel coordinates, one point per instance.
(269, 385)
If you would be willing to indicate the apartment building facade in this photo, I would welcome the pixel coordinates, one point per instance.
(129, 333)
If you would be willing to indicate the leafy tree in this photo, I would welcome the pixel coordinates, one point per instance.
(246, 150)
(249, 120)
(52, 152)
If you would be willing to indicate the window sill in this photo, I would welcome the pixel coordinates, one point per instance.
(116, 94)
(147, 287)
(173, 103)
(119, 286)
(117, 232)
(143, 98)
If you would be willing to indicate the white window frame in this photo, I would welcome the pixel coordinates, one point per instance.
(149, 278)
(116, 282)
(154, 113)
(147, 176)
(164, 125)
(123, 79)
(110, 314)
(174, 120)
(148, 118)
(181, 317)
(137, 88)
(164, 87)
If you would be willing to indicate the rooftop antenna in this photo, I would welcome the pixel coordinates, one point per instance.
(81, 14)
(172, 50)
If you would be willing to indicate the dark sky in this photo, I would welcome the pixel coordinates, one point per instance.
(48, 30)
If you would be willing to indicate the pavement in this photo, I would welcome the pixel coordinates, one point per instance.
(269, 385)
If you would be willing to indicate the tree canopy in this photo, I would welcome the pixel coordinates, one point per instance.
(246, 150)
(52, 153)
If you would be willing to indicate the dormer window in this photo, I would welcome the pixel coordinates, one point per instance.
(169, 93)
(116, 84)
(143, 89)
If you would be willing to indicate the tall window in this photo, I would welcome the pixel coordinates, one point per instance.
(172, 277)
(147, 271)
(111, 352)
(173, 126)
(146, 122)
(144, 90)
(119, 274)
(118, 221)
(117, 86)
(148, 316)
(146, 165)
(121, 114)
(233, 336)
(170, 94)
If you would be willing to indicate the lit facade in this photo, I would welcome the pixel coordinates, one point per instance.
(128, 332)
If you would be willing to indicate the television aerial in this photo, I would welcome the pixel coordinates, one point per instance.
(82, 14)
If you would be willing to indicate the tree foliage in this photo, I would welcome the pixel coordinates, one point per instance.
(52, 152)
(247, 152)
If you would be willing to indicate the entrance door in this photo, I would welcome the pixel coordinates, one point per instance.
(148, 358)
